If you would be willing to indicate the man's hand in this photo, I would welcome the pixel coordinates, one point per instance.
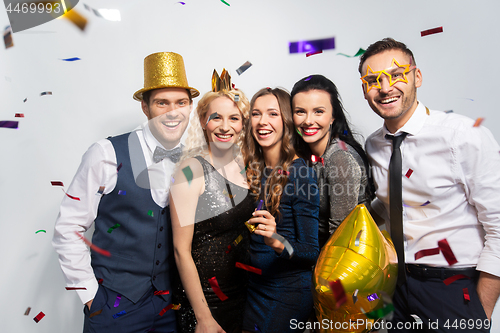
(488, 289)
(89, 303)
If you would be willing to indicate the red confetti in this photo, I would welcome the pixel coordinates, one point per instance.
(454, 278)
(93, 247)
(168, 307)
(27, 312)
(57, 183)
(72, 197)
(283, 172)
(427, 252)
(215, 287)
(19, 115)
(466, 294)
(478, 122)
(100, 281)
(313, 53)
(342, 145)
(408, 173)
(338, 292)
(431, 31)
(119, 167)
(76, 288)
(39, 317)
(249, 268)
(315, 158)
(447, 252)
(161, 292)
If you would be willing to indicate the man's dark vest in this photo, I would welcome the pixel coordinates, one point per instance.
(141, 247)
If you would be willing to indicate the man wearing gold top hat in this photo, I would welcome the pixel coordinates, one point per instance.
(122, 188)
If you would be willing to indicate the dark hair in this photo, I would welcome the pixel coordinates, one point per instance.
(254, 156)
(383, 45)
(340, 127)
(147, 95)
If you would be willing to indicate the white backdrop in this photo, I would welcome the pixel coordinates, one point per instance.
(92, 98)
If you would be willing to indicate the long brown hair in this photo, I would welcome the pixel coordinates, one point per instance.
(254, 156)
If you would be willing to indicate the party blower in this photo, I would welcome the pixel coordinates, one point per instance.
(355, 275)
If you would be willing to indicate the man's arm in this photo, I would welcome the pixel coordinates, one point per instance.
(76, 216)
(488, 289)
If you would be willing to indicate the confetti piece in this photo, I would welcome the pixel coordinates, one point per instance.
(161, 292)
(377, 314)
(100, 281)
(76, 288)
(478, 122)
(71, 59)
(101, 190)
(261, 203)
(417, 318)
(46, 93)
(168, 307)
(25, 99)
(27, 312)
(19, 115)
(249, 268)
(454, 278)
(250, 226)
(466, 294)
(212, 116)
(372, 297)
(355, 296)
(308, 78)
(226, 193)
(114, 227)
(225, 2)
(119, 167)
(360, 52)
(244, 67)
(338, 292)
(117, 300)
(120, 192)
(425, 203)
(57, 183)
(93, 247)
(342, 145)
(345, 132)
(39, 317)
(449, 111)
(9, 124)
(188, 173)
(150, 213)
(215, 287)
(408, 173)
(107, 14)
(309, 46)
(256, 328)
(182, 3)
(72, 197)
(283, 172)
(298, 131)
(95, 313)
(119, 314)
(313, 53)
(7, 37)
(447, 252)
(236, 98)
(358, 236)
(41, 230)
(431, 31)
(78, 20)
(315, 158)
(286, 243)
(427, 252)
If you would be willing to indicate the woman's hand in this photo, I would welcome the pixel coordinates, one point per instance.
(208, 326)
(266, 226)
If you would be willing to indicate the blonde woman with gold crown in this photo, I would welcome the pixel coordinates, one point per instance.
(210, 202)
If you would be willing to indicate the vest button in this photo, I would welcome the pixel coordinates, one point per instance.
(159, 245)
(161, 228)
(163, 211)
(157, 262)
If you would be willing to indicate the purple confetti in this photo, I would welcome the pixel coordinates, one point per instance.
(311, 46)
(117, 301)
(308, 78)
(372, 297)
(120, 192)
(425, 203)
(71, 59)
(182, 3)
(9, 124)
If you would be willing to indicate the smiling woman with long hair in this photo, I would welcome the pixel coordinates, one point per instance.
(288, 189)
(210, 202)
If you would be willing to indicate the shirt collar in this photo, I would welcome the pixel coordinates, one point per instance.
(150, 139)
(413, 125)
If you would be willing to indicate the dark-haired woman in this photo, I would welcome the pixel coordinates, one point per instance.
(287, 186)
(324, 138)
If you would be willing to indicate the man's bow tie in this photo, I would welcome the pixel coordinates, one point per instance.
(174, 155)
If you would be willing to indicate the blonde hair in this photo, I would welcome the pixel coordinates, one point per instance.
(196, 142)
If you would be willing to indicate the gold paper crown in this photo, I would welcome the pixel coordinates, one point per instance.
(221, 83)
(164, 70)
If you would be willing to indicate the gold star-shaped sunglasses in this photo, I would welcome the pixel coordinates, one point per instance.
(395, 73)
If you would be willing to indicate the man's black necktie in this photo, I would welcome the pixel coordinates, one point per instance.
(396, 203)
(174, 155)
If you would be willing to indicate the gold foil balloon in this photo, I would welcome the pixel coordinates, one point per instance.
(365, 262)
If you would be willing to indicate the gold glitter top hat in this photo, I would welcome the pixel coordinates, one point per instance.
(164, 70)
(221, 83)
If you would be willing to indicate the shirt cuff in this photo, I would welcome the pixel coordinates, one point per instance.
(489, 264)
(90, 291)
